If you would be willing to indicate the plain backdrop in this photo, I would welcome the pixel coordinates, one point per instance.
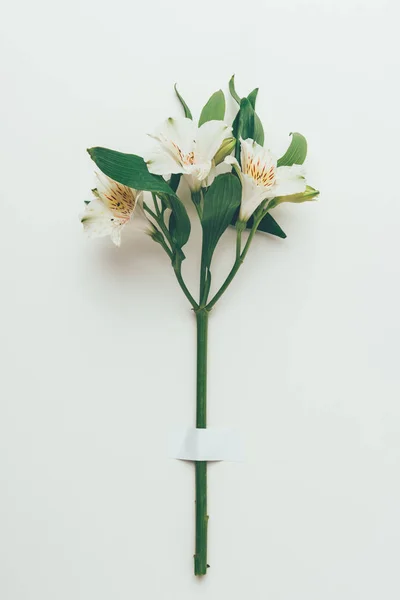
(98, 343)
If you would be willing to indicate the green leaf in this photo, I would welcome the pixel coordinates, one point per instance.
(258, 130)
(269, 225)
(233, 90)
(174, 181)
(243, 124)
(186, 109)
(247, 123)
(131, 170)
(252, 97)
(214, 110)
(296, 153)
(180, 222)
(220, 204)
(258, 127)
(128, 169)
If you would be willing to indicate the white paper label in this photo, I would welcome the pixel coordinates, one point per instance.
(209, 444)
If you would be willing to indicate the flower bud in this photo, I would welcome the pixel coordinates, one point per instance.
(308, 194)
(155, 234)
(225, 148)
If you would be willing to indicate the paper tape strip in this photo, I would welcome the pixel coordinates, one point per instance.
(211, 444)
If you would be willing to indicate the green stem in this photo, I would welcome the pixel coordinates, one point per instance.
(237, 264)
(200, 557)
(203, 276)
(239, 231)
(184, 288)
(196, 199)
(177, 268)
(159, 220)
(165, 247)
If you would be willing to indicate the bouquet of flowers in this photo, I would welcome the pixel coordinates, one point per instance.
(234, 180)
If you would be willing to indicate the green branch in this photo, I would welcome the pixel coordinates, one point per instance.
(240, 256)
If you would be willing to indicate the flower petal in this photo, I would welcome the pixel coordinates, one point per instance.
(199, 170)
(177, 140)
(118, 198)
(162, 162)
(99, 221)
(220, 169)
(182, 132)
(254, 155)
(209, 138)
(231, 160)
(252, 196)
(289, 180)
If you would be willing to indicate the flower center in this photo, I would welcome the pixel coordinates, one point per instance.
(262, 173)
(121, 200)
(185, 159)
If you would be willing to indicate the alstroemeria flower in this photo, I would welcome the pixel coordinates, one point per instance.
(262, 179)
(110, 210)
(186, 148)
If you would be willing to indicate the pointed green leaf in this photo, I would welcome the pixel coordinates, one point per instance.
(220, 204)
(181, 222)
(128, 169)
(131, 170)
(258, 130)
(233, 90)
(214, 110)
(174, 181)
(269, 225)
(243, 124)
(296, 153)
(176, 234)
(252, 97)
(186, 109)
(247, 123)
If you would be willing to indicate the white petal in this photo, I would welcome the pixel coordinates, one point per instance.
(223, 167)
(196, 175)
(209, 139)
(103, 182)
(199, 170)
(289, 180)
(116, 236)
(254, 154)
(99, 221)
(161, 162)
(182, 132)
(231, 160)
(176, 138)
(252, 196)
(177, 134)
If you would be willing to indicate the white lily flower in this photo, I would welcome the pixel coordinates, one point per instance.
(262, 179)
(110, 210)
(186, 148)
